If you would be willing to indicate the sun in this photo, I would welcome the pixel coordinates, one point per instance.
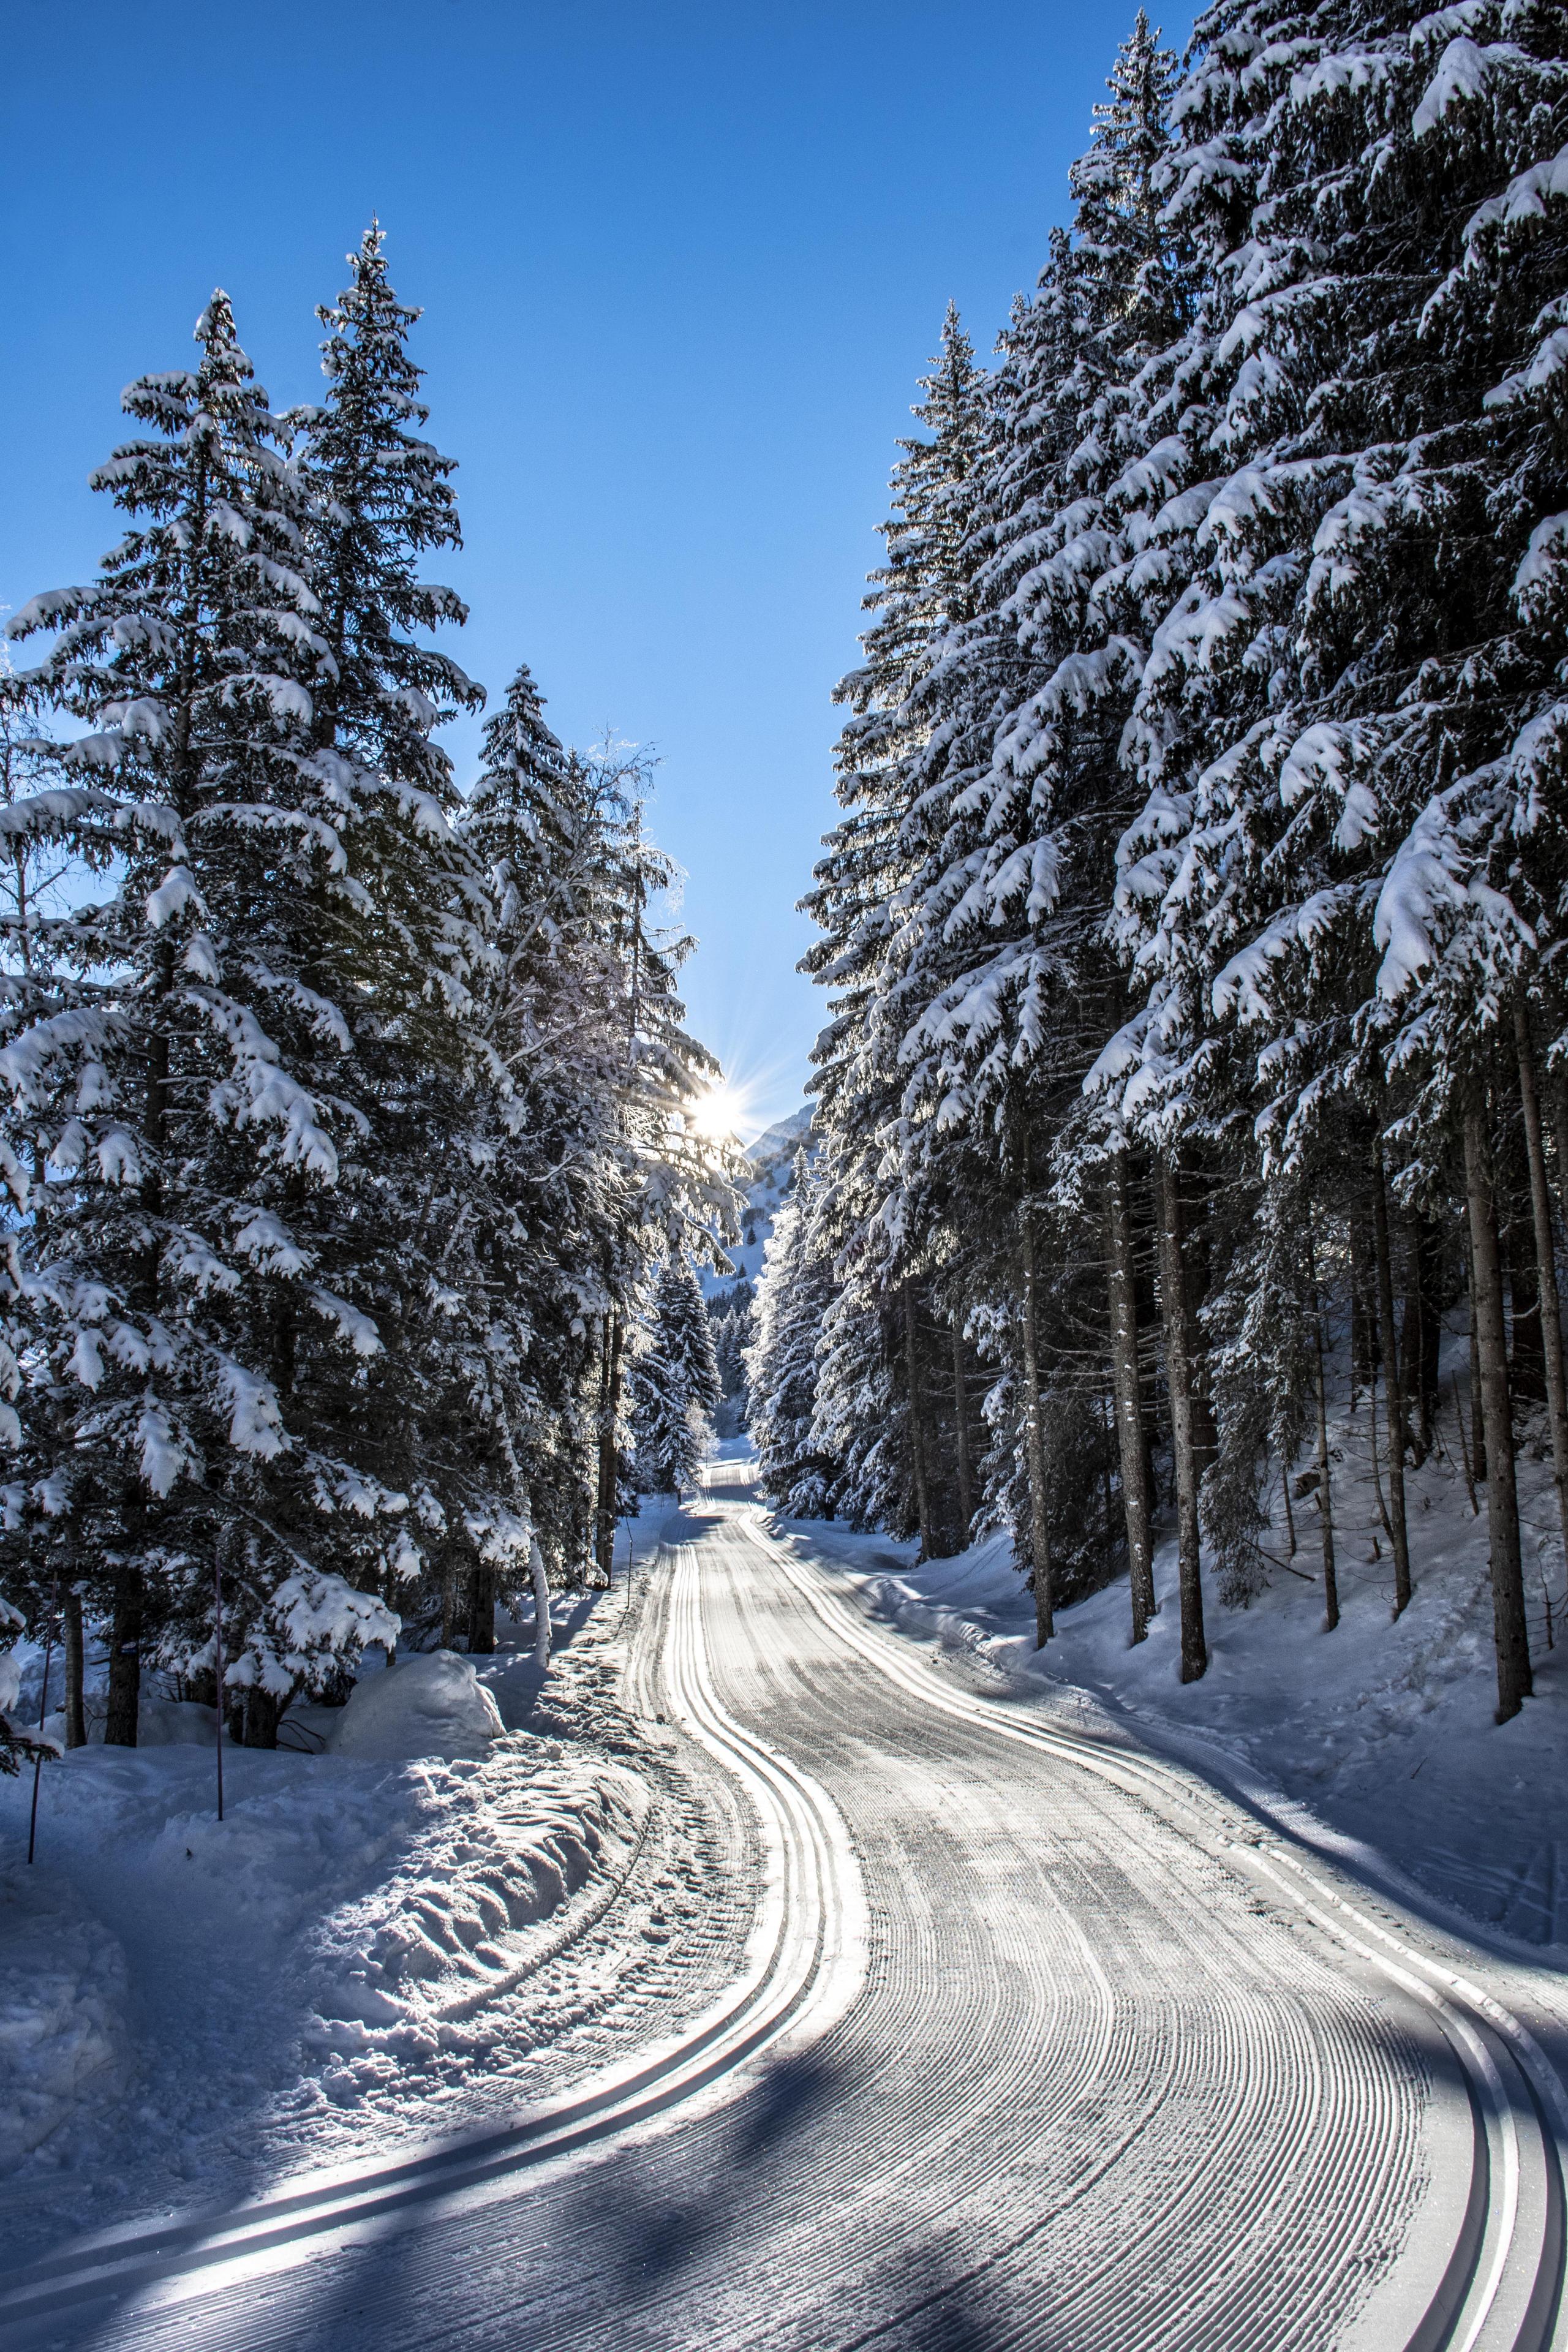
(718, 1113)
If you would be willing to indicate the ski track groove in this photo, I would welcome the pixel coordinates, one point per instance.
(1111, 2084)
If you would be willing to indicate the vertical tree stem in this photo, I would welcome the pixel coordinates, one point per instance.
(960, 1434)
(1035, 1441)
(1502, 1499)
(1545, 1263)
(1393, 1386)
(917, 1430)
(1179, 1381)
(1123, 1308)
(1325, 1482)
(75, 1648)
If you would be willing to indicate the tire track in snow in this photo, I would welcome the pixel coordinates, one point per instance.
(1503, 2283)
(803, 1965)
(1109, 2086)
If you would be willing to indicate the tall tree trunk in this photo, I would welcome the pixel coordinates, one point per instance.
(1179, 1381)
(1546, 1262)
(125, 1657)
(604, 1528)
(75, 1649)
(1527, 1351)
(1196, 1272)
(961, 1435)
(541, 1604)
(1362, 1325)
(1035, 1439)
(1502, 1499)
(481, 1609)
(1421, 1332)
(1557, 1092)
(262, 1712)
(449, 1612)
(915, 1398)
(1478, 1414)
(1393, 1386)
(1123, 1307)
(1325, 1463)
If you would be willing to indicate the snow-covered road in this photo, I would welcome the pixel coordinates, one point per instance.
(1039, 2041)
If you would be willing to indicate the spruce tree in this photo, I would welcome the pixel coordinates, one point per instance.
(175, 1059)
(793, 1299)
(675, 1382)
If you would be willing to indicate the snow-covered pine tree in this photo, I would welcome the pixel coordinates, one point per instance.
(380, 501)
(675, 1387)
(864, 896)
(1009, 974)
(555, 1230)
(734, 1317)
(794, 1295)
(1344, 643)
(175, 1059)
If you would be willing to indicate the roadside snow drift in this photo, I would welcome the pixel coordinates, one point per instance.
(429, 1704)
(359, 1930)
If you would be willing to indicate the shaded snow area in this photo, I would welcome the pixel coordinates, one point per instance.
(393, 1923)
(1382, 1731)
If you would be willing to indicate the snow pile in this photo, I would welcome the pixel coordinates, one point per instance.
(160, 1722)
(429, 1704)
(1383, 1729)
(356, 1930)
(63, 2030)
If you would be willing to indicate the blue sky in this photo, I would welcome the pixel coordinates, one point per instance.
(681, 266)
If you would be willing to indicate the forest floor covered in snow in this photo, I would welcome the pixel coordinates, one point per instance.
(461, 1901)
(1377, 1739)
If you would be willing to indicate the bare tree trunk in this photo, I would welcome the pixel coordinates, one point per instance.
(1527, 1350)
(75, 1648)
(124, 1658)
(1134, 1458)
(961, 1434)
(448, 1603)
(1393, 1387)
(605, 1527)
(1545, 1263)
(1422, 1330)
(1179, 1381)
(1363, 1368)
(1325, 1467)
(481, 1609)
(540, 1605)
(1557, 1086)
(1477, 1416)
(915, 1397)
(262, 1711)
(1502, 1499)
(1035, 1441)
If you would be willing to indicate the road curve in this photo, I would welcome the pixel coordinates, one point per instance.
(1037, 2041)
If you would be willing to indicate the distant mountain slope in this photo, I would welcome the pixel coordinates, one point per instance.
(773, 1158)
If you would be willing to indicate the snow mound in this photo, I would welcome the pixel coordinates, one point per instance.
(160, 1722)
(433, 1704)
(414, 1971)
(63, 2036)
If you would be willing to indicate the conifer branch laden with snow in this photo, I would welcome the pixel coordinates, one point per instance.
(346, 1116)
(1203, 845)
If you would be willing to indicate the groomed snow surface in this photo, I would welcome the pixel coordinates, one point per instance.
(361, 1941)
(1380, 1736)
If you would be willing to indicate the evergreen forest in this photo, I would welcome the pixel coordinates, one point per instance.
(1193, 933)
(348, 1120)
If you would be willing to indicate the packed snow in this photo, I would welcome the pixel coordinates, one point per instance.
(1382, 1730)
(186, 1999)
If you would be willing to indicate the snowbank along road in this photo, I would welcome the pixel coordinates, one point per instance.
(1038, 2041)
